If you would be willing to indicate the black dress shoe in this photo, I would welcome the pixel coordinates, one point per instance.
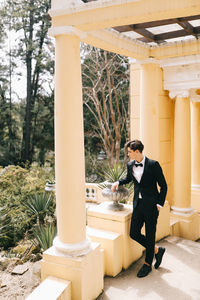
(159, 257)
(144, 271)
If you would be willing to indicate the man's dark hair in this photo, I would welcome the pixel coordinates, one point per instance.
(135, 145)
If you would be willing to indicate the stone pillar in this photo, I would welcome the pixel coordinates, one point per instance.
(155, 117)
(150, 89)
(195, 138)
(195, 149)
(184, 218)
(69, 147)
(72, 256)
(135, 82)
(182, 155)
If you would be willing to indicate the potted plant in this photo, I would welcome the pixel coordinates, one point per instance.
(112, 174)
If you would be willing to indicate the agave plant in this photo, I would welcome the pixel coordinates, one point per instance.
(44, 235)
(115, 173)
(40, 205)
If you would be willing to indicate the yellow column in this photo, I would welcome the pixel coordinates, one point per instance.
(195, 144)
(135, 82)
(195, 138)
(69, 146)
(72, 256)
(150, 89)
(183, 214)
(182, 156)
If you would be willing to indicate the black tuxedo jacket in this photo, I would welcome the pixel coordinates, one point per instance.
(147, 187)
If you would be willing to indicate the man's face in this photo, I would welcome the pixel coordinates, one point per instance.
(132, 154)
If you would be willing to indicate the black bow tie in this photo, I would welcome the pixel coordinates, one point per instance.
(139, 165)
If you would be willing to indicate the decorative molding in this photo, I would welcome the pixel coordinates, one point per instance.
(182, 211)
(66, 30)
(195, 187)
(194, 96)
(149, 60)
(111, 40)
(73, 250)
(179, 93)
(180, 61)
(179, 78)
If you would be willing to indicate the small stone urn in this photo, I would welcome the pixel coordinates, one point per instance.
(117, 196)
(50, 187)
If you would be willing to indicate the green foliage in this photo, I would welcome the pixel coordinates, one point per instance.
(6, 228)
(114, 173)
(27, 132)
(45, 235)
(17, 185)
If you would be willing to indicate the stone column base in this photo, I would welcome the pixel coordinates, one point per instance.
(186, 225)
(85, 272)
(195, 197)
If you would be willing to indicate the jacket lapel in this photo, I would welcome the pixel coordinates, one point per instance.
(146, 164)
(131, 167)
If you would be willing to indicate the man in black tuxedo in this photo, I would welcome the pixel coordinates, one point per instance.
(146, 174)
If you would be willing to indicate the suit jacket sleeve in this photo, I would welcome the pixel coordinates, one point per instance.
(161, 182)
(128, 177)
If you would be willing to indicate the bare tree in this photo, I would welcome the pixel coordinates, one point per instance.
(106, 94)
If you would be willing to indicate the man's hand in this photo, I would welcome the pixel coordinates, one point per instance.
(115, 186)
(158, 207)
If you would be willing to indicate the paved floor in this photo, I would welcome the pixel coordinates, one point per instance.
(178, 277)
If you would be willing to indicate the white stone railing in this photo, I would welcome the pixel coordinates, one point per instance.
(93, 193)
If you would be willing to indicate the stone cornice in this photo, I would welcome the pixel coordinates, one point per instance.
(66, 30)
(179, 78)
(178, 61)
(64, 7)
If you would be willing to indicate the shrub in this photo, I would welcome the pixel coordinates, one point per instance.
(6, 228)
(17, 185)
(41, 205)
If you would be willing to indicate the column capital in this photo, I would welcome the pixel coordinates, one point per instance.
(149, 60)
(181, 75)
(66, 30)
(195, 95)
(179, 93)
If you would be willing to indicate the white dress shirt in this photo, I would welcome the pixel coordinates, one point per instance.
(138, 171)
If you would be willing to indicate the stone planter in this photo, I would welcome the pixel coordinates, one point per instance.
(50, 187)
(115, 197)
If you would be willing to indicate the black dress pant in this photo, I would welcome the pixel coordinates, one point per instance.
(146, 214)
